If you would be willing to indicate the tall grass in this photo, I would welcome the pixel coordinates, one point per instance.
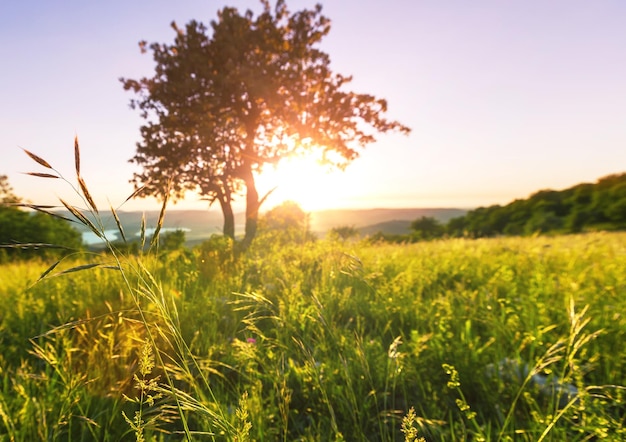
(501, 339)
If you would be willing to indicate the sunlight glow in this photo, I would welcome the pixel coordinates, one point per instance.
(303, 180)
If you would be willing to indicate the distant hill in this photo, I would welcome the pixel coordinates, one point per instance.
(395, 227)
(200, 224)
(324, 220)
(586, 206)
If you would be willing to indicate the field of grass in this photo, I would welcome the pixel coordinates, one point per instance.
(498, 339)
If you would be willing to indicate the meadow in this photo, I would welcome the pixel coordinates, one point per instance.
(458, 339)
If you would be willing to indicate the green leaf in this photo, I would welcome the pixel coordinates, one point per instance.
(78, 268)
(48, 270)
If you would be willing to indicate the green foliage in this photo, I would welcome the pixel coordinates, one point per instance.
(285, 223)
(39, 234)
(173, 240)
(583, 207)
(600, 206)
(6, 192)
(427, 227)
(215, 257)
(344, 232)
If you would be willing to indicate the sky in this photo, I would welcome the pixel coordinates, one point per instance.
(504, 98)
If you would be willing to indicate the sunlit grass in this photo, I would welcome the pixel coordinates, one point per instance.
(324, 341)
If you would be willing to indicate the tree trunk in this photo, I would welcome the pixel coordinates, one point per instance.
(229, 218)
(252, 206)
(223, 195)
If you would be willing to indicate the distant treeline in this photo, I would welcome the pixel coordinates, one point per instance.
(25, 235)
(599, 206)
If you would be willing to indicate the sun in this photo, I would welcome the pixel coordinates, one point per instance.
(302, 180)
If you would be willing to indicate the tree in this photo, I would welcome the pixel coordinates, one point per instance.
(427, 227)
(543, 222)
(457, 226)
(344, 232)
(254, 90)
(286, 223)
(6, 191)
(173, 240)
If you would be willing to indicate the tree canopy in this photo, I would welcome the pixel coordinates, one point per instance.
(427, 227)
(286, 223)
(584, 207)
(597, 206)
(6, 191)
(246, 91)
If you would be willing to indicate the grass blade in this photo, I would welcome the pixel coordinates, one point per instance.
(78, 269)
(37, 159)
(47, 212)
(48, 270)
(42, 175)
(262, 200)
(143, 230)
(77, 155)
(119, 224)
(82, 218)
(157, 230)
(33, 245)
(134, 194)
(32, 206)
(112, 267)
(83, 187)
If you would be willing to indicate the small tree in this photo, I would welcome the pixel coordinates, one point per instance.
(253, 90)
(173, 240)
(6, 192)
(427, 227)
(457, 226)
(344, 232)
(286, 222)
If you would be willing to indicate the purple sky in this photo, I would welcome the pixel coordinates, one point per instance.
(504, 98)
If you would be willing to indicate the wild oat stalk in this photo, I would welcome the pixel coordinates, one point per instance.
(408, 428)
(576, 340)
(244, 426)
(83, 192)
(454, 383)
(148, 289)
(148, 394)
